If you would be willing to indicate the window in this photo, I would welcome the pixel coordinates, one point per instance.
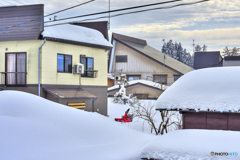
(15, 68)
(133, 77)
(162, 79)
(64, 63)
(88, 66)
(176, 77)
(141, 95)
(121, 58)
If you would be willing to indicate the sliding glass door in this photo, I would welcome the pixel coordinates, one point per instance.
(15, 68)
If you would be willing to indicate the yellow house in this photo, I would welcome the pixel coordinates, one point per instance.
(58, 49)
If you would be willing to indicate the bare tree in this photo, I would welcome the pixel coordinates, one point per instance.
(148, 113)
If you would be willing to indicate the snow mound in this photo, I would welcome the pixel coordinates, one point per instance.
(213, 89)
(76, 33)
(194, 144)
(35, 128)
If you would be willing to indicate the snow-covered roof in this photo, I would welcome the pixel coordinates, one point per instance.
(110, 76)
(212, 89)
(144, 82)
(76, 33)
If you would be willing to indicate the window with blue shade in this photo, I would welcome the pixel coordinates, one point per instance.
(64, 63)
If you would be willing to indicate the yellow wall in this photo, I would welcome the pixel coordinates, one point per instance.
(31, 49)
(50, 50)
(49, 64)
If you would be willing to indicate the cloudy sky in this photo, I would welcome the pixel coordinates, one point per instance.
(215, 23)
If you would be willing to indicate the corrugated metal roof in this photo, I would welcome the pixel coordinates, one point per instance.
(158, 56)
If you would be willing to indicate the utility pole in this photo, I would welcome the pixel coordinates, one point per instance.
(193, 46)
(109, 15)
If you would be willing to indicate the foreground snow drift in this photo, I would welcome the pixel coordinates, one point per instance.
(193, 144)
(35, 128)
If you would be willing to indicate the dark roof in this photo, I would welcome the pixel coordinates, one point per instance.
(141, 47)
(232, 58)
(69, 93)
(101, 26)
(129, 39)
(207, 59)
(14, 15)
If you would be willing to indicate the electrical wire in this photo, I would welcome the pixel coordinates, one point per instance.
(167, 7)
(7, 2)
(44, 16)
(117, 10)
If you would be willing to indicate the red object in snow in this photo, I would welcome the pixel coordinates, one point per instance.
(126, 118)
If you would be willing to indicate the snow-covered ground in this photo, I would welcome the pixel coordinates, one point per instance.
(194, 145)
(33, 128)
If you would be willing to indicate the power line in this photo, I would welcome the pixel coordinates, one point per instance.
(19, 2)
(167, 7)
(117, 10)
(44, 16)
(7, 2)
(70, 8)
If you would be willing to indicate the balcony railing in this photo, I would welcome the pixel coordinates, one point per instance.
(13, 78)
(90, 73)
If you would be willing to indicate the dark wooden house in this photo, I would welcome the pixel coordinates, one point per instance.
(206, 98)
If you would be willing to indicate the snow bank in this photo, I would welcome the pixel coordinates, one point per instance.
(146, 82)
(214, 89)
(76, 33)
(35, 128)
(193, 144)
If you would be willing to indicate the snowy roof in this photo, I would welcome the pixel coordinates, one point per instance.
(110, 76)
(138, 82)
(141, 47)
(75, 33)
(213, 89)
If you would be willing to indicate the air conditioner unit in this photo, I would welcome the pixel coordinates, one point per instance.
(78, 68)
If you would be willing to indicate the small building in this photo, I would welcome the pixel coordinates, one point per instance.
(206, 59)
(207, 98)
(133, 59)
(142, 89)
(231, 61)
(40, 60)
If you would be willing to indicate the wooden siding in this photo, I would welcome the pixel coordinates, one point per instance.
(14, 15)
(207, 120)
(139, 64)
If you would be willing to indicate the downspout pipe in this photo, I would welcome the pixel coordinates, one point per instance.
(39, 67)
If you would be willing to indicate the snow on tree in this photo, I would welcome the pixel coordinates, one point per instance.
(231, 52)
(176, 51)
(198, 48)
(121, 97)
(204, 48)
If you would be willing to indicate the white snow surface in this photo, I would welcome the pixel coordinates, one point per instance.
(193, 145)
(213, 89)
(33, 128)
(146, 82)
(76, 33)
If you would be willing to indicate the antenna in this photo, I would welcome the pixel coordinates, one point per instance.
(193, 46)
(109, 15)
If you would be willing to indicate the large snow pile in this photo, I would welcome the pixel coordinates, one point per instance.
(76, 33)
(35, 128)
(194, 144)
(214, 89)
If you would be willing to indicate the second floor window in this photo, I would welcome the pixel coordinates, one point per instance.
(64, 63)
(88, 66)
(162, 79)
(176, 77)
(133, 77)
(121, 58)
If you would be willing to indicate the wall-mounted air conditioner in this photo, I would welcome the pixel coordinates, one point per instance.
(78, 68)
